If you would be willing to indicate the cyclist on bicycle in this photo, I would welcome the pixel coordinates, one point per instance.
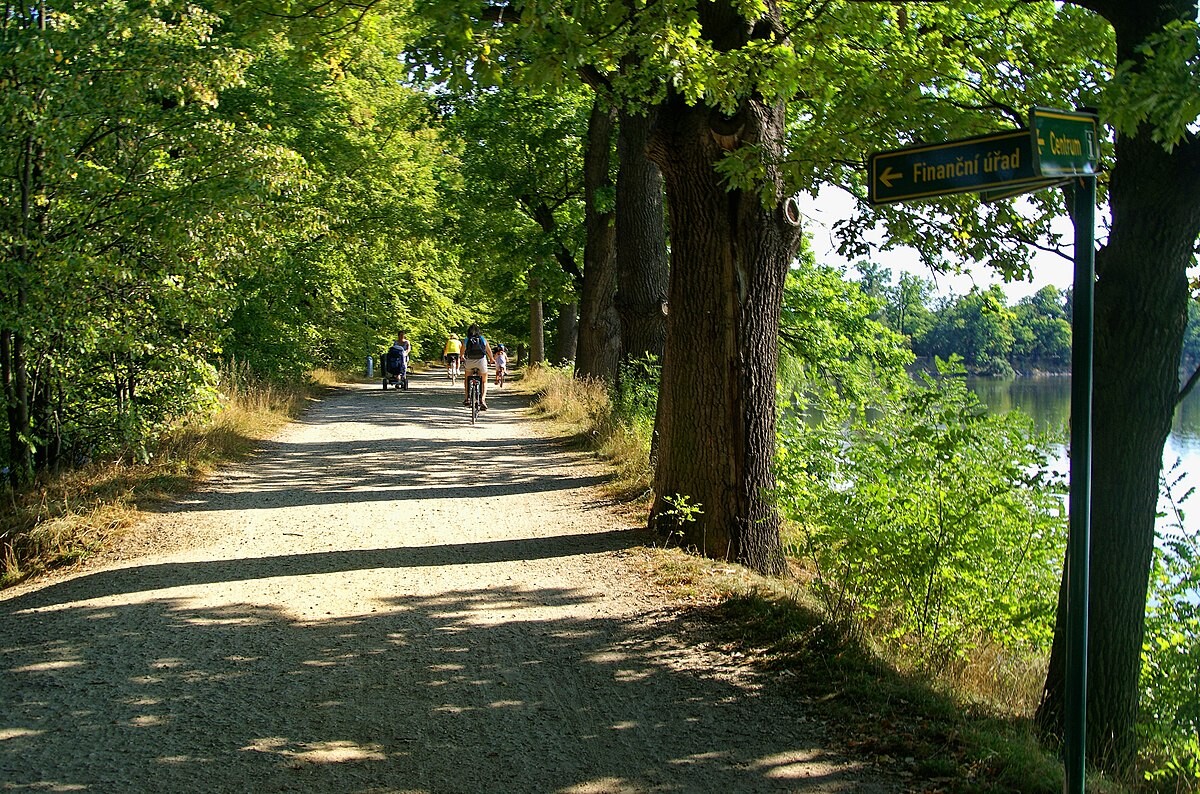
(476, 355)
(451, 355)
(501, 360)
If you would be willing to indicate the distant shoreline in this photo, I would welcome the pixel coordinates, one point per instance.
(1019, 370)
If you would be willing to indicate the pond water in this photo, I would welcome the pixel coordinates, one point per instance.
(1048, 401)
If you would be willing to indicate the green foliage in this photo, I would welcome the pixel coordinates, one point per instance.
(979, 328)
(927, 518)
(519, 205)
(635, 394)
(968, 68)
(1169, 719)
(991, 337)
(372, 262)
(356, 250)
(908, 306)
(1191, 336)
(193, 188)
(111, 237)
(830, 337)
(1160, 87)
(680, 512)
(1041, 331)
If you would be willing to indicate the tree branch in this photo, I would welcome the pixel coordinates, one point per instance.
(543, 216)
(1187, 387)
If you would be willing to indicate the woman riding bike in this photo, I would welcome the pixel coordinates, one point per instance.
(476, 355)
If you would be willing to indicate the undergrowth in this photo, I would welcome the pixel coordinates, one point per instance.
(937, 733)
(964, 729)
(70, 514)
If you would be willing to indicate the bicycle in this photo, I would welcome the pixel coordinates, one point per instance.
(452, 369)
(499, 378)
(474, 393)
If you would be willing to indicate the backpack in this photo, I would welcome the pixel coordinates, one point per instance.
(475, 347)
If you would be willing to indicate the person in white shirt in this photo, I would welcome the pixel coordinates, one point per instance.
(501, 364)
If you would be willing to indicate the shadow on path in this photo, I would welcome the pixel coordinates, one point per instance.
(420, 696)
(229, 675)
(407, 458)
(160, 576)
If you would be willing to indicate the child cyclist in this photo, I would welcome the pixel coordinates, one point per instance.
(501, 364)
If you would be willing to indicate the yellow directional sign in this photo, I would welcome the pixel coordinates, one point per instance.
(963, 166)
(1064, 143)
(889, 176)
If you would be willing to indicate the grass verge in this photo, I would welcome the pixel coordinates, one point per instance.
(71, 515)
(953, 734)
(584, 410)
(937, 737)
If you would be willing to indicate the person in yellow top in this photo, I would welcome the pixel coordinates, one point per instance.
(452, 355)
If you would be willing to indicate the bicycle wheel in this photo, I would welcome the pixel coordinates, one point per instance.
(474, 398)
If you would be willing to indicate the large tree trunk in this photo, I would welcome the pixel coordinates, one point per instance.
(566, 333)
(1141, 313)
(642, 264)
(599, 326)
(729, 257)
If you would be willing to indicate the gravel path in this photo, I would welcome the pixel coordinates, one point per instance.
(387, 599)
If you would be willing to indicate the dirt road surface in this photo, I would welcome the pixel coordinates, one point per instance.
(387, 599)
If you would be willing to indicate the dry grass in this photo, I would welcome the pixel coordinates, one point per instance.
(998, 678)
(871, 705)
(581, 404)
(71, 515)
(583, 408)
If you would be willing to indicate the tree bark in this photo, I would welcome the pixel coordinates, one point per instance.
(717, 397)
(537, 331)
(599, 325)
(13, 350)
(1141, 313)
(643, 268)
(566, 333)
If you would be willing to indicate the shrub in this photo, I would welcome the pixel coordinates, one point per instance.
(927, 518)
(1169, 718)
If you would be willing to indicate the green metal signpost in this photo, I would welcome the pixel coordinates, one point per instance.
(1079, 537)
(1059, 147)
(1065, 145)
